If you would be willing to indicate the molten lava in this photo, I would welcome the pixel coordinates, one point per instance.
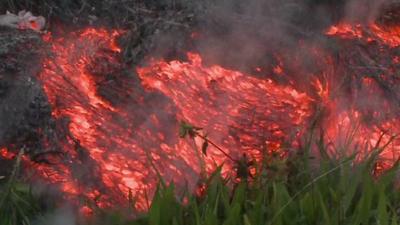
(240, 112)
(371, 121)
(118, 130)
(113, 150)
(387, 35)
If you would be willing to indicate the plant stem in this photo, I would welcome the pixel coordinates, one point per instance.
(215, 145)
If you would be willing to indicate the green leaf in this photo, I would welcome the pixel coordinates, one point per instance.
(246, 220)
(187, 129)
(363, 211)
(233, 217)
(154, 212)
(307, 208)
(324, 209)
(383, 217)
(394, 219)
(182, 132)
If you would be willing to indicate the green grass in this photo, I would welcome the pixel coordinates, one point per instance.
(339, 193)
(18, 205)
(295, 190)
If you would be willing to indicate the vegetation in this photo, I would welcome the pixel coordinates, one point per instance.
(288, 190)
(18, 205)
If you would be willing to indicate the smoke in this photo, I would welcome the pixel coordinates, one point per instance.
(364, 10)
(243, 34)
(61, 216)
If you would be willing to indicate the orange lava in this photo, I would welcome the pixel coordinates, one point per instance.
(5, 154)
(387, 35)
(123, 155)
(372, 130)
(116, 150)
(345, 30)
(240, 112)
(102, 142)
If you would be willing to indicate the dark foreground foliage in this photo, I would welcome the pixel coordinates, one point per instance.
(283, 191)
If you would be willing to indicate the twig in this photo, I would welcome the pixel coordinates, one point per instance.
(215, 145)
(139, 9)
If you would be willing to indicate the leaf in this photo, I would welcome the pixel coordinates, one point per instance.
(233, 216)
(394, 219)
(383, 216)
(324, 209)
(204, 147)
(182, 131)
(307, 208)
(364, 204)
(240, 194)
(246, 220)
(187, 129)
(154, 212)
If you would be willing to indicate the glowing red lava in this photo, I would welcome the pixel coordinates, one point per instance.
(387, 35)
(113, 149)
(239, 112)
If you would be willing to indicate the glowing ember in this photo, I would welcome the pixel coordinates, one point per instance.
(345, 30)
(5, 154)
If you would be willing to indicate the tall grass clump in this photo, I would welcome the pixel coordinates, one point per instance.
(340, 192)
(18, 205)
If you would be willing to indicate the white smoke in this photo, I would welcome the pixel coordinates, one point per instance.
(61, 216)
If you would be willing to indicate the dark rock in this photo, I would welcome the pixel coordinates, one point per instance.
(24, 109)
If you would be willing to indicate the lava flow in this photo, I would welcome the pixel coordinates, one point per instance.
(114, 149)
(370, 120)
(240, 112)
(119, 130)
(374, 32)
